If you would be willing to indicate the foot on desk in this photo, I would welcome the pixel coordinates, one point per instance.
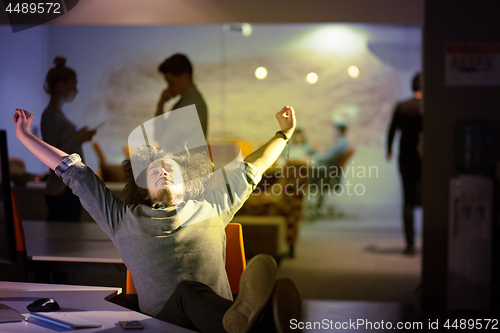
(256, 287)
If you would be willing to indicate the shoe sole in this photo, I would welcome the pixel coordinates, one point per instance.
(287, 305)
(256, 287)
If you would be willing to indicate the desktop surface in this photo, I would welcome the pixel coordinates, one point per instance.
(32, 200)
(88, 303)
(86, 242)
(69, 242)
(43, 230)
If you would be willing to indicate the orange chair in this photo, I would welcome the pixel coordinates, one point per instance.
(246, 147)
(107, 172)
(235, 264)
(18, 224)
(130, 287)
(342, 163)
(332, 210)
(235, 256)
(346, 157)
(223, 152)
(18, 272)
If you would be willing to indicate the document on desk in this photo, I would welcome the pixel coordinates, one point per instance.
(7, 314)
(65, 320)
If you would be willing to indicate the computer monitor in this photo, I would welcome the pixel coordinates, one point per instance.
(7, 233)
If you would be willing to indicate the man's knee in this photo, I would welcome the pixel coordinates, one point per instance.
(187, 288)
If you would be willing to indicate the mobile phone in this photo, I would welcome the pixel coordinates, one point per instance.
(131, 325)
(100, 125)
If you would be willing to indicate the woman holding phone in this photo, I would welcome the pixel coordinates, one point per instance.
(57, 130)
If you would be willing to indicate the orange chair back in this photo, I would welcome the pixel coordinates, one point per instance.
(346, 157)
(130, 284)
(235, 256)
(235, 259)
(18, 224)
(246, 147)
(99, 152)
(108, 172)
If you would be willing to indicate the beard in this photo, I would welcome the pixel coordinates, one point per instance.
(163, 195)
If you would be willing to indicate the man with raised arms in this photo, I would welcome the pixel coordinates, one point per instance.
(171, 235)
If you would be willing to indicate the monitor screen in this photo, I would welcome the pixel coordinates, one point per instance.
(7, 234)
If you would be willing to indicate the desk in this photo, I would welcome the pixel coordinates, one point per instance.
(90, 303)
(78, 298)
(63, 247)
(64, 231)
(32, 200)
(81, 301)
(69, 242)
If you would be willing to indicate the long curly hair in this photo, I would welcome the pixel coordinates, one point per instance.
(196, 169)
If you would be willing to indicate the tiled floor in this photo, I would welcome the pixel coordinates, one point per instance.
(352, 268)
(357, 257)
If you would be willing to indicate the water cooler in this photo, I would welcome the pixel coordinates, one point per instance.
(470, 226)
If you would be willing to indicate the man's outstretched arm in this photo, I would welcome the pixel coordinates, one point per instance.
(49, 155)
(266, 155)
(93, 194)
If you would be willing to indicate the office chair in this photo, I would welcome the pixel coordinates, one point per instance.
(330, 210)
(18, 225)
(235, 256)
(108, 172)
(26, 269)
(343, 162)
(235, 265)
(131, 299)
(20, 271)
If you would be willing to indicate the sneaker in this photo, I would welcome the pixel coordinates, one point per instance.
(287, 305)
(256, 287)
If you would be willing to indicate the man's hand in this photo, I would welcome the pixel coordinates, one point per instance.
(266, 155)
(85, 134)
(287, 121)
(46, 153)
(166, 95)
(23, 120)
(388, 156)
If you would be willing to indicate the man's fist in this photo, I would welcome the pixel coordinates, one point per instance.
(287, 121)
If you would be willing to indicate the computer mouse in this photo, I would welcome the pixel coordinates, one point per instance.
(43, 305)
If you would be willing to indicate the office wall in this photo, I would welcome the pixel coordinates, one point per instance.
(449, 21)
(118, 82)
(23, 63)
(159, 12)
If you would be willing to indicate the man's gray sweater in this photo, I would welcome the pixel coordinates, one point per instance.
(162, 247)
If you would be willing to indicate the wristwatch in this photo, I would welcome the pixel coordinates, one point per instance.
(284, 136)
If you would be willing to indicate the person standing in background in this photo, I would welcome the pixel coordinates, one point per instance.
(407, 118)
(58, 131)
(178, 73)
